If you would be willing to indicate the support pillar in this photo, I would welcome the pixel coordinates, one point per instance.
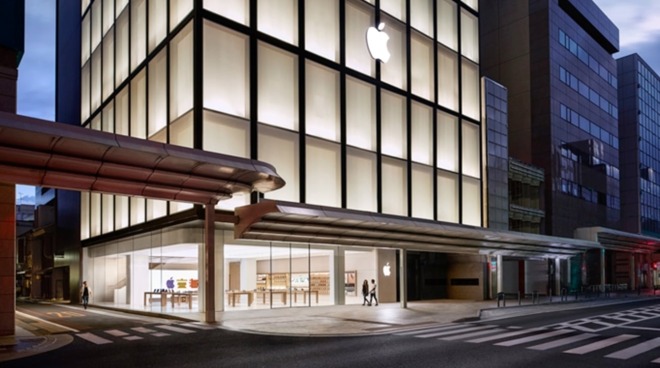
(7, 259)
(209, 260)
(631, 275)
(500, 274)
(403, 278)
(340, 274)
(602, 269)
(557, 280)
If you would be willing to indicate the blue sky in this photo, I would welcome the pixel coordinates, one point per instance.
(639, 31)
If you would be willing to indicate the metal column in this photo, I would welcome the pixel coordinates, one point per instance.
(209, 260)
(403, 279)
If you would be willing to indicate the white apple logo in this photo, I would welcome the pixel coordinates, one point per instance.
(377, 43)
(387, 269)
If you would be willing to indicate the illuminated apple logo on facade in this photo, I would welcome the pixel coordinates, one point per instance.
(377, 43)
(387, 270)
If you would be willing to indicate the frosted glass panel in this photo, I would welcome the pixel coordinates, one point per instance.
(395, 187)
(447, 193)
(279, 18)
(422, 191)
(360, 114)
(181, 73)
(422, 134)
(226, 134)
(474, 4)
(138, 32)
(421, 16)
(95, 212)
(137, 210)
(323, 173)
(84, 92)
(361, 180)
(182, 206)
(469, 36)
(108, 123)
(470, 89)
(96, 123)
(121, 212)
(157, 22)
(358, 19)
(158, 93)
(471, 202)
(120, 5)
(278, 87)
(156, 208)
(84, 215)
(181, 131)
(226, 70)
(179, 9)
(447, 28)
(395, 8)
(108, 214)
(471, 151)
(447, 142)
(121, 49)
(108, 15)
(96, 79)
(280, 148)
(447, 78)
(96, 24)
(236, 10)
(121, 112)
(394, 71)
(393, 125)
(322, 102)
(108, 65)
(421, 70)
(322, 28)
(139, 106)
(85, 39)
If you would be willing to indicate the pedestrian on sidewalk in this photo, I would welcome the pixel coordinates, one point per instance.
(365, 292)
(373, 292)
(85, 293)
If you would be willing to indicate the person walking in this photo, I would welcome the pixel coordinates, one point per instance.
(365, 292)
(85, 293)
(372, 292)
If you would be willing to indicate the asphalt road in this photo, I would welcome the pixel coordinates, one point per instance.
(625, 335)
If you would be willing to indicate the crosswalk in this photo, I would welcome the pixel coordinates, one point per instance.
(568, 340)
(140, 333)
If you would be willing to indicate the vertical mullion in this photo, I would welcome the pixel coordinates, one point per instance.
(408, 112)
(379, 159)
(302, 131)
(342, 105)
(254, 107)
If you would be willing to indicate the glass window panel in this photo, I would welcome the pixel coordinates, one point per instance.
(395, 187)
(84, 92)
(471, 202)
(96, 123)
(394, 71)
(138, 32)
(470, 89)
(137, 210)
(393, 125)
(85, 39)
(447, 138)
(422, 134)
(236, 10)
(179, 9)
(96, 80)
(181, 131)
(121, 113)
(108, 65)
(280, 148)
(139, 106)
(120, 5)
(226, 134)
(108, 216)
(237, 200)
(156, 208)
(182, 206)
(322, 102)
(359, 18)
(447, 194)
(322, 28)
(360, 114)
(109, 118)
(361, 180)
(157, 23)
(422, 191)
(121, 49)
(226, 74)
(471, 150)
(395, 8)
(279, 18)
(84, 4)
(474, 4)
(447, 27)
(323, 173)
(469, 36)
(108, 15)
(421, 70)
(421, 16)
(84, 215)
(95, 214)
(97, 25)
(157, 93)
(278, 87)
(121, 212)
(181, 73)
(447, 78)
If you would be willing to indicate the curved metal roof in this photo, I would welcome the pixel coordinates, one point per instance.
(42, 153)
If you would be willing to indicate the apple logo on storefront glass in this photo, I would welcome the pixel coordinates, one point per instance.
(387, 269)
(377, 43)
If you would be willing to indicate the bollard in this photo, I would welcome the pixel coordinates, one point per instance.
(535, 297)
(500, 296)
(519, 300)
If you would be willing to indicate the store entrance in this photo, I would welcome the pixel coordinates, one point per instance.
(427, 276)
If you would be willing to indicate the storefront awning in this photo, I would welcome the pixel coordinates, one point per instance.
(293, 222)
(619, 240)
(42, 153)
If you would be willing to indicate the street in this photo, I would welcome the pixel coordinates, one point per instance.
(609, 336)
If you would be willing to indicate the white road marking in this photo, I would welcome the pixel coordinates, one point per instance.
(451, 332)
(505, 335)
(635, 350)
(143, 330)
(93, 338)
(562, 342)
(46, 322)
(116, 333)
(472, 334)
(175, 329)
(527, 339)
(429, 329)
(600, 344)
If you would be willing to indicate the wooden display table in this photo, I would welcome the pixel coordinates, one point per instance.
(305, 294)
(271, 293)
(163, 297)
(232, 294)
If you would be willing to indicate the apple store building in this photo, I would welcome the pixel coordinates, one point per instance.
(369, 110)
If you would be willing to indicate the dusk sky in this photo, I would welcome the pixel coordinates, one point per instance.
(639, 32)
